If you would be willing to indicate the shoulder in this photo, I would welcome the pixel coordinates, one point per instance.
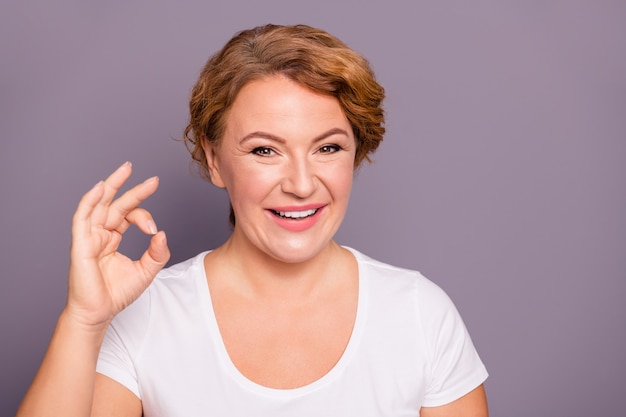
(405, 296)
(181, 270)
(381, 274)
(416, 316)
(171, 283)
(180, 277)
(377, 269)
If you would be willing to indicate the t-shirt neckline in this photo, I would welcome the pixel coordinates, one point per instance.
(231, 370)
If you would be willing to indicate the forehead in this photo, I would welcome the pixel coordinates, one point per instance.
(277, 102)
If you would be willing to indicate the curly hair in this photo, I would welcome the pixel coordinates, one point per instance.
(306, 55)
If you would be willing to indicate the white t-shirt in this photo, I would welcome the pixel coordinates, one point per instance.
(409, 348)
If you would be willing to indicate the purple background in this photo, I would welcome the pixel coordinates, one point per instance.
(501, 176)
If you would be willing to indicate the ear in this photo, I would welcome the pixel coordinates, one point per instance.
(212, 158)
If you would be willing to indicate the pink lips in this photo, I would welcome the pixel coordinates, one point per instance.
(296, 224)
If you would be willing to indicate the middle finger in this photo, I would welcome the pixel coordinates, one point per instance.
(129, 201)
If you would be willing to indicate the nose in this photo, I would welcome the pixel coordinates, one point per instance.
(299, 179)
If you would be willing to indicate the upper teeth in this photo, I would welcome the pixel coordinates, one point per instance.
(297, 214)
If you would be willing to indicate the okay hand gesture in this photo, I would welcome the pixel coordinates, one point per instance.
(102, 281)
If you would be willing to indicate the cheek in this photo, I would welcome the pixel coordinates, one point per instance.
(340, 179)
(250, 182)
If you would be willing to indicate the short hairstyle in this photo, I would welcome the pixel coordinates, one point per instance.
(308, 56)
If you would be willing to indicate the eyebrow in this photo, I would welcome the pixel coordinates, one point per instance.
(269, 136)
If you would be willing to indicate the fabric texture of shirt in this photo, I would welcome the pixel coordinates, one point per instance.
(409, 348)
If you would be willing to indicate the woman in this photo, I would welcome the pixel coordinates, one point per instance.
(280, 320)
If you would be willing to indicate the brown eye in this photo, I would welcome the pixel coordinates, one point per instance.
(263, 151)
(329, 149)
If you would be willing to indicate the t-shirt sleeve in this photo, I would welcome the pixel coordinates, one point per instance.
(456, 369)
(123, 342)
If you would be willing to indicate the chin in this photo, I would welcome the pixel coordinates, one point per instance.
(296, 253)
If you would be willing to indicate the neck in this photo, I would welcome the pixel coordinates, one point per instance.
(263, 275)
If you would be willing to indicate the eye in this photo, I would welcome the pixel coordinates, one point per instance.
(263, 151)
(329, 149)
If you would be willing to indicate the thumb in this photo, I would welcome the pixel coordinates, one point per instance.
(156, 256)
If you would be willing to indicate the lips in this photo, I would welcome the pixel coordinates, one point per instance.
(297, 218)
(292, 214)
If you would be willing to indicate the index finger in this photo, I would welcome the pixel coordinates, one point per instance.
(87, 204)
(114, 182)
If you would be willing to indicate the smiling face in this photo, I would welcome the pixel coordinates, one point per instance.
(286, 160)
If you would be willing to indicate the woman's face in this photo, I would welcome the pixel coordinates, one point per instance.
(286, 160)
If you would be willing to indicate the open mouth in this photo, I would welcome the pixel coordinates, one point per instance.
(295, 215)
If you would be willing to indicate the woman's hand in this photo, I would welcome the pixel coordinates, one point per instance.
(102, 281)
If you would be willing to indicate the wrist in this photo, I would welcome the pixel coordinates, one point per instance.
(76, 323)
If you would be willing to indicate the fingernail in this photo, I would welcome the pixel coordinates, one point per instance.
(152, 226)
(151, 179)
